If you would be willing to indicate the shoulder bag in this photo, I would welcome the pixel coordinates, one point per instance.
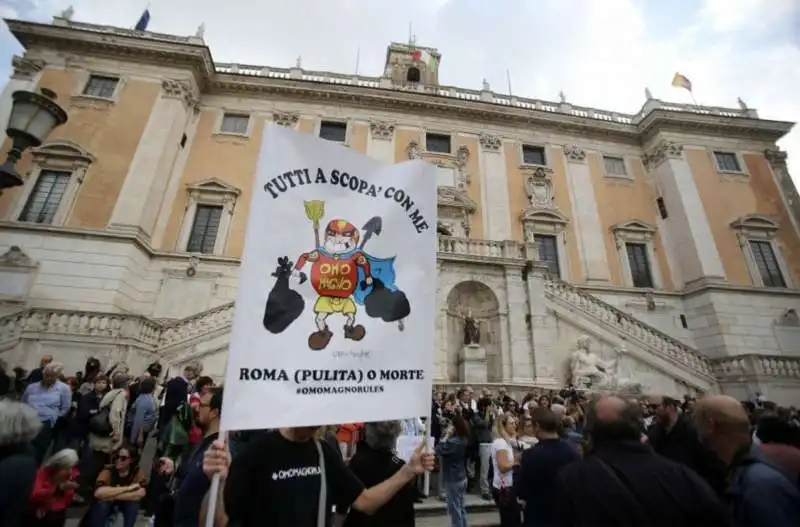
(322, 508)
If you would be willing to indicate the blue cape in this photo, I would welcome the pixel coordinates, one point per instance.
(380, 268)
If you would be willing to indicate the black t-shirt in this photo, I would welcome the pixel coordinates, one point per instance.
(276, 482)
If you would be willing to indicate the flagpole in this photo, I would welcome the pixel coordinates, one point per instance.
(693, 99)
(358, 57)
(508, 78)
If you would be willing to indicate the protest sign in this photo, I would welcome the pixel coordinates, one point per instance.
(405, 445)
(335, 309)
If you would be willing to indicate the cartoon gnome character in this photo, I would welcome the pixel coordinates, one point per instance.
(338, 268)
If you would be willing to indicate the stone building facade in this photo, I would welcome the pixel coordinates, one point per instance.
(670, 236)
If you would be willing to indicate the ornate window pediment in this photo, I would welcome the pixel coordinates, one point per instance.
(62, 155)
(543, 221)
(452, 167)
(755, 226)
(454, 208)
(633, 231)
(213, 190)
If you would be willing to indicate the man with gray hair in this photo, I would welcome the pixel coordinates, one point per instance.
(51, 399)
(19, 425)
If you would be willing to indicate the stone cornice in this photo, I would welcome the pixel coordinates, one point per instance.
(183, 52)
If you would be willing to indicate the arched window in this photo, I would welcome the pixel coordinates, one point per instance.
(413, 74)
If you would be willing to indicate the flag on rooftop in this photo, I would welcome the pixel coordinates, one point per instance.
(681, 81)
(141, 25)
(426, 57)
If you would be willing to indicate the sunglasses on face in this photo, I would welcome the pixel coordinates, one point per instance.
(123, 458)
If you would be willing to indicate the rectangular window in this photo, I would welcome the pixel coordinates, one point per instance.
(727, 162)
(101, 86)
(204, 229)
(439, 143)
(234, 123)
(615, 166)
(639, 264)
(767, 264)
(662, 208)
(533, 155)
(333, 131)
(45, 197)
(548, 253)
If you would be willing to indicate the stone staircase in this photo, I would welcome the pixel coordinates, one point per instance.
(660, 347)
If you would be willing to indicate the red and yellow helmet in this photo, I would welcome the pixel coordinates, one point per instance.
(342, 228)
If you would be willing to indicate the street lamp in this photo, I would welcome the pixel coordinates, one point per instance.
(33, 117)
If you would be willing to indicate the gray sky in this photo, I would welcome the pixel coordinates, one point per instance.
(602, 53)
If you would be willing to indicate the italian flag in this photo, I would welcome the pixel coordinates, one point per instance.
(423, 56)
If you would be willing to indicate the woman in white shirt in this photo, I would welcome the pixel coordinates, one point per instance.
(503, 462)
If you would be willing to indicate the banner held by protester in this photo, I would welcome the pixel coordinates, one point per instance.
(335, 310)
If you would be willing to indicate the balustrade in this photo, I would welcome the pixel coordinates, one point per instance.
(655, 341)
(756, 366)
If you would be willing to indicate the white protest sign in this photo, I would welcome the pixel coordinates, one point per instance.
(405, 446)
(335, 309)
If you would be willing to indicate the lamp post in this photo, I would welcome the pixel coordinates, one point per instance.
(33, 117)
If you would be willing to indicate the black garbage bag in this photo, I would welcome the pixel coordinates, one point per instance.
(284, 305)
(388, 305)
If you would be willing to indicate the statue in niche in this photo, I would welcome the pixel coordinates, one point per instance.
(472, 330)
(589, 370)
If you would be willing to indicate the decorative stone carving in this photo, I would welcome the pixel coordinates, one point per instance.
(490, 142)
(790, 318)
(661, 151)
(562, 97)
(413, 150)
(381, 129)
(776, 157)
(575, 154)
(285, 119)
(68, 13)
(15, 257)
(183, 90)
(539, 188)
(589, 370)
(299, 62)
(462, 156)
(25, 68)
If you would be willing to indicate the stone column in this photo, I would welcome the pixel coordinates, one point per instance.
(148, 176)
(519, 340)
(688, 231)
(25, 76)
(380, 141)
(543, 330)
(780, 171)
(497, 217)
(586, 218)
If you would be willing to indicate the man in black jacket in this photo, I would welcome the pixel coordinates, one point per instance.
(177, 393)
(673, 435)
(622, 482)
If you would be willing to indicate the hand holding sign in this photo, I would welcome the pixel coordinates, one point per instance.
(217, 460)
(421, 461)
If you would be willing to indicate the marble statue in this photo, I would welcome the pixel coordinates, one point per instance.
(742, 104)
(201, 31)
(68, 13)
(299, 63)
(486, 85)
(562, 96)
(647, 94)
(588, 369)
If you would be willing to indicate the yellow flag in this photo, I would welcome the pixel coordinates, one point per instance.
(680, 81)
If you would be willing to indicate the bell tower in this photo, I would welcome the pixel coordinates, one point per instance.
(412, 66)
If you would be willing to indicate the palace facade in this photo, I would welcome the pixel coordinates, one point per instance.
(670, 236)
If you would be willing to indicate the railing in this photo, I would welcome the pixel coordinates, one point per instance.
(454, 247)
(465, 94)
(756, 366)
(151, 334)
(656, 341)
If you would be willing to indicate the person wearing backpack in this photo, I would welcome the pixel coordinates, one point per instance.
(761, 492)
(106, 427)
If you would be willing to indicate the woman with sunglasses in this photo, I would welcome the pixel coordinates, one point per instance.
(119, 490)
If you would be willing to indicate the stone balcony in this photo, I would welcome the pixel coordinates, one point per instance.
(485, 251)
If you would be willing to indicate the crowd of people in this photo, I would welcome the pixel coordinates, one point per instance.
(547, 458)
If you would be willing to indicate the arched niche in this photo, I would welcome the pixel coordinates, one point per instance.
(478, 300)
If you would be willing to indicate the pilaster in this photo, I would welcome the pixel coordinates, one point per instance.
(146, 183)
(591, 238)
(688, 229)
(519, 340)
(542, 328)
(788, 190)
(380, 141)
(497, 217)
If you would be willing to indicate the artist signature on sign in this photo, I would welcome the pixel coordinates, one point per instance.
(351, 354)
